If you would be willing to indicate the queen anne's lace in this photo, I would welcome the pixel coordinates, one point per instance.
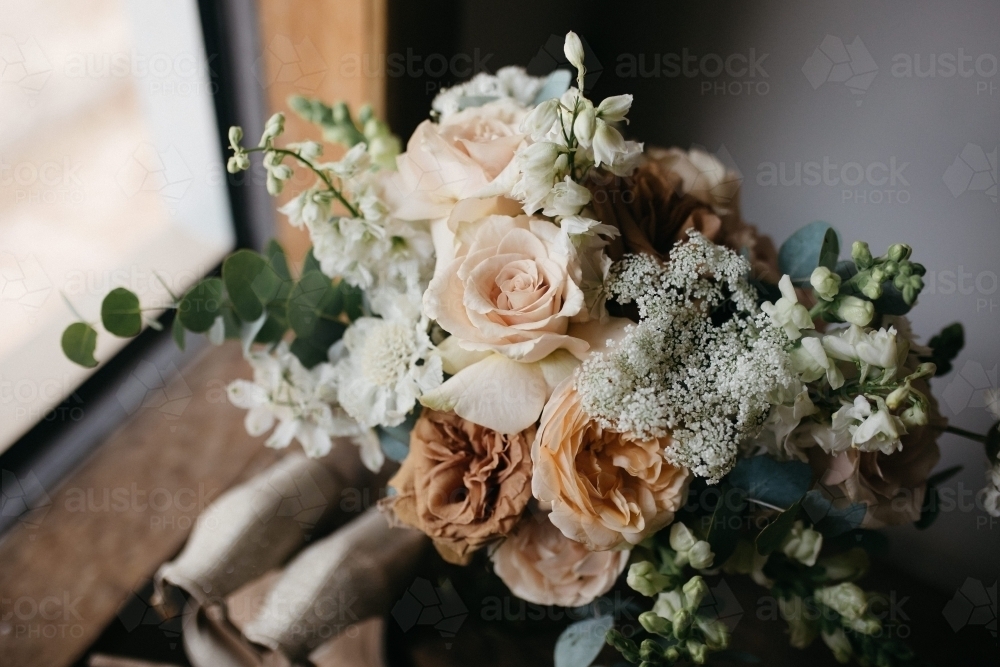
(701, 364)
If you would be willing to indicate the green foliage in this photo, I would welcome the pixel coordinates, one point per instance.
(251, 283)
(201, 305)
(816, 244)
(726, 521)
(945, 347)
(776, 483)
(78, 343)
(120, 313)
(830, 519)
(775, 532)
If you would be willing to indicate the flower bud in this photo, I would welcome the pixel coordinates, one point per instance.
(682, 621)
(697, 651)
(839, 644)
(694, 591)
(861, 254)
(899, 251)
(847, 565)
(656, 624)
(914, 416)
(341, 114)
(623, 645)
(233, 165)
(802, 631)
(846, 599)
(803, 544)
(716, 633)
(854, 310)
(644, 578)
(701, 556)
(585, 125)
(866, 625)
(573, 49)
(870, 286)
(897, 396)
(889, 269)
(825, 283)
(650, 652)
(235, 136)
(613, 109)
(681, 538)
(672, 655)
(541, 119)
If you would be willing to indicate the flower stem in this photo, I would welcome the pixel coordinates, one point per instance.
(323, 177)
(965, 434)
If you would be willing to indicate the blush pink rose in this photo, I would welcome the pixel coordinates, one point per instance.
(542, 566)
(454, 159)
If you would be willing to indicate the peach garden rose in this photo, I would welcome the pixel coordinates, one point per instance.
(607, 490)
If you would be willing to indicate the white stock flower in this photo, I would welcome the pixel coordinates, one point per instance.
(386, 366)
(613, 109)
(690, 550)
(788, 313)
(573, 49)
(777, 437)
(566, 198)
(854, 310)
(302, 401)
(877, 349)
(811, 362)
(871, 430)
(991, 497)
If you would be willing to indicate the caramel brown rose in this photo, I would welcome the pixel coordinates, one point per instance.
(673, 191)
(606, 489)
(893, 486)
(462, 484)
(542, 566)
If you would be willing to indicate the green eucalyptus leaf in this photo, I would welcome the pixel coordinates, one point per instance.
(120, 313)
(307, 353)
(310, 264)
(776, 483)
(769, 539)
(726, 521)
(816, 244)
(78, 343)
(201, 305)
(251, 283)
(829, 519)
(177, 331)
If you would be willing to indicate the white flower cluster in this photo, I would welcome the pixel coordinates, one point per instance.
(302, 401)
(700, 366)
(390, 259)
(509, 82)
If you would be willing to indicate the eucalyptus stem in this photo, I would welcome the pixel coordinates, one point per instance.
(323, 177)
(955, 430)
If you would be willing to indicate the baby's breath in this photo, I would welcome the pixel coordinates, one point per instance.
(700, 364)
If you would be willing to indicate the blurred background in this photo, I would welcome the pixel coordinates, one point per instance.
(880, 118)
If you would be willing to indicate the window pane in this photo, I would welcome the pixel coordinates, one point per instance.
(110, 174)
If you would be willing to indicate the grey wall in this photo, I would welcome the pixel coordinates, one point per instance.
(784, 115)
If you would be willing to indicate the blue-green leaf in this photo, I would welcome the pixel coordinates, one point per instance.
(580, 643)
(829, 519)
(556, 83)
(816, 244)
(777, 483)
(201, 305)
(775, 532)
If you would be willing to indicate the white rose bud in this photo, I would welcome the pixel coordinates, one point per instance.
(803, 544)
(825, 282)
(846, 599)
(856, 311)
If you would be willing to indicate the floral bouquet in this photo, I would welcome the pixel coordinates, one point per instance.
(585, 362)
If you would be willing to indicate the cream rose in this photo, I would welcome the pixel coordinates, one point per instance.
(509, 297)
(539, 564)
(606, 489)
(454, 159)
